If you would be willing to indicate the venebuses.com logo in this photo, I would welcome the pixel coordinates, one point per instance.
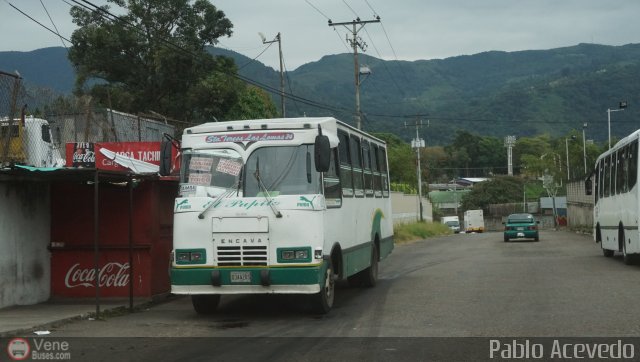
(20, 349)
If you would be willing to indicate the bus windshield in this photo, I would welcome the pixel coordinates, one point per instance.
(211, 172)
(286, 170)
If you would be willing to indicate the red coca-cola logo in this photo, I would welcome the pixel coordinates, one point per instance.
(110, 275)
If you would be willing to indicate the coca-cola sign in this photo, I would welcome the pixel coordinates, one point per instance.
(81, 154)
(112, 274)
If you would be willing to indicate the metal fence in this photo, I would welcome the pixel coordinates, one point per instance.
(35, 121)
(107, 126)
(10, 92)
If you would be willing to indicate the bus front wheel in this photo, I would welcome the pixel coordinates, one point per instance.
(323, 302)
(205, 304)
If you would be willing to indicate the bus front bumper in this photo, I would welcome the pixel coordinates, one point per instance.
(256, 280)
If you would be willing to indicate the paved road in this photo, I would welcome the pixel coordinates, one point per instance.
(472, 285)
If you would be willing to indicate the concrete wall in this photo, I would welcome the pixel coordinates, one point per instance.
(25, 268)
(405, 208)
(579, 206)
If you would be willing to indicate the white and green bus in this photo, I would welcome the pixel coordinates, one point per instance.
(284, 206)
(617, 199)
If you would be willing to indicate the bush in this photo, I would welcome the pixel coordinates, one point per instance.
(419, 230)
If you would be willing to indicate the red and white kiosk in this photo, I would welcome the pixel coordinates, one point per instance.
(111, 223)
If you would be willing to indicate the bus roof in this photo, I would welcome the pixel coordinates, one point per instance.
(329, 123)
(633, 136)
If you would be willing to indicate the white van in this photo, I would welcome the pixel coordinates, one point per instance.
(453, 222)
(29, 143)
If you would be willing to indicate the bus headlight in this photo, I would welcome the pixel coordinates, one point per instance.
(191, 256)
(294, 255)
(302, 254)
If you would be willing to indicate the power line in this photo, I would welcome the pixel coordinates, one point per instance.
(350, 8)
(326, 17)
(54, 25)
(36, 21)
(318, 10)
(286, 72)
(370, 7)
(256, 57)
(384, 64)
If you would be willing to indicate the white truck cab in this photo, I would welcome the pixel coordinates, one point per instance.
(29, 143)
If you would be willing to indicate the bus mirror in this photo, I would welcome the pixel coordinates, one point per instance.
(588, 186)
(165, 158)
(169, 161)
(322, 153)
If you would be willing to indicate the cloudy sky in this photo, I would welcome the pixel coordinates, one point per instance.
(409, 30)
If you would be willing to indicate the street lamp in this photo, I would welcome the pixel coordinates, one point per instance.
(566, 145)
(584, 148)
(621, 106)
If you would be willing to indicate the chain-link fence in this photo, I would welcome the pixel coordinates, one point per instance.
(10, 92)
(36, 123)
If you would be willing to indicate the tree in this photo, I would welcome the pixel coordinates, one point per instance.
(499, 190)
(402, 160)
(155, 57)
(251, 105)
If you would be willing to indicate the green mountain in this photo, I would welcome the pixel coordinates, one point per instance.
(492, 93)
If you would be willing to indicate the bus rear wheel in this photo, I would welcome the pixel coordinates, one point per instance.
(322, 302)
(629, 259)
(205, 304)
(606, 252)
(369, 276)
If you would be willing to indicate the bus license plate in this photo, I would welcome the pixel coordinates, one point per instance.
(240, 277)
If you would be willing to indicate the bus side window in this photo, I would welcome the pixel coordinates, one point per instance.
(368, 174)
(346, 175)
(607, 175)
(377, 178)
(332, 189)
(356, 158)
(601, 179)
(619, 171)
(625, 168)
(633, 164)
(596, 174)
(383, 170)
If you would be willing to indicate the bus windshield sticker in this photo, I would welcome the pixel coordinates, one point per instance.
(186, 189)
(250, 137)
(230, 167)
(200, 164)
(200, 179)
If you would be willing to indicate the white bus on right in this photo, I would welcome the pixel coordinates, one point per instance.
(617, 199)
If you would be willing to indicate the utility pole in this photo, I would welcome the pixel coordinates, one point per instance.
(418, 143)
(278, 39)
(356, 42)
(584, 148)
(509, 141)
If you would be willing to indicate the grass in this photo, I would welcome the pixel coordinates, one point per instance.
(404, 233)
